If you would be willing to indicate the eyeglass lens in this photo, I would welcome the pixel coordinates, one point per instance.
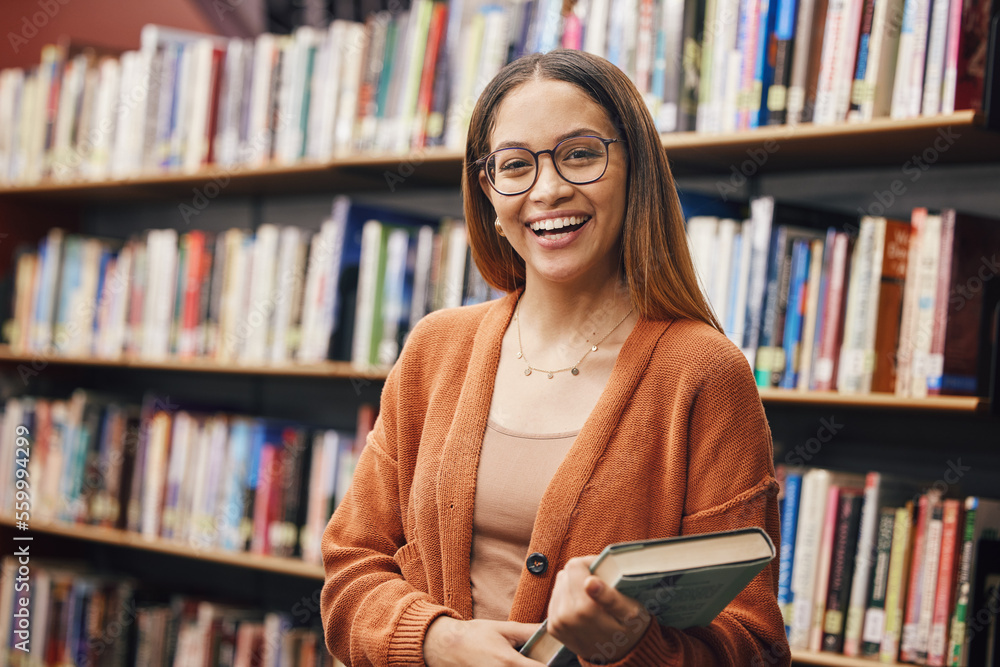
(577, 159)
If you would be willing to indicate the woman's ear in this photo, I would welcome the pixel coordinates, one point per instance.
(484, 184)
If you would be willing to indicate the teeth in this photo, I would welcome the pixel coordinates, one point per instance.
(557, 223)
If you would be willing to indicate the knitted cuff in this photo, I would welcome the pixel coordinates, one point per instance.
(407, 644)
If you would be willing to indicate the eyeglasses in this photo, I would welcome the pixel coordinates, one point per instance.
(578, 160)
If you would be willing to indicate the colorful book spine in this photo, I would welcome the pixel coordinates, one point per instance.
(937, 644)
(841, 570)
(789, 523)
(874, 622)
(792, 340)
(895, 592)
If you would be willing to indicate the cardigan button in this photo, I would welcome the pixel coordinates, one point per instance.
(537, 563)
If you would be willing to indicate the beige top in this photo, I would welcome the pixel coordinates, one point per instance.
(514, 469)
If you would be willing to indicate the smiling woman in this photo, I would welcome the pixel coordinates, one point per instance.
(490, 481)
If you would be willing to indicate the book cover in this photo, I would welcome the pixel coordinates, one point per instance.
(705, 571)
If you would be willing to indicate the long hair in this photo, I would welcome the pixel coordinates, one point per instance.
(655, 261)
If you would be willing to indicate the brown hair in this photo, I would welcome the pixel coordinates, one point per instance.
(655, 263)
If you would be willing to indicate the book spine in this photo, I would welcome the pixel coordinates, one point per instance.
(784, 39)
(937, 644)
(844, 546)
(874, 622)
(789, 523)
(867, 536)
(890, 305)
(928, 584)
(936, 52)
(814, 286)
(864, 61)
(826, 363)
(769, 317)
(895, 592)
(825, 559)
(849, 379)
(957, 640)
(926, 287)
(935, 360)
(795, 313)
(907, 649)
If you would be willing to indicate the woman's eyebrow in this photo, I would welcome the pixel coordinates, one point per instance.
(583, 131)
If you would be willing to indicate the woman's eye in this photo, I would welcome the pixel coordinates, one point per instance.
(581, 154)
(513, 165)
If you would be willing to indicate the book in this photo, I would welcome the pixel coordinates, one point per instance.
(937, 644)
(881, 491)
(983, 639)
(789, 524)
(842, 567)
(982, 521)
(966, 298)
(895, 594)
(705, 571)
(874, 618)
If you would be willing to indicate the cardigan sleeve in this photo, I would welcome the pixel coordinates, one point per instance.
(371, 614)
(730, 485)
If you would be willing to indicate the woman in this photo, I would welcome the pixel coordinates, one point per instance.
(598, 402)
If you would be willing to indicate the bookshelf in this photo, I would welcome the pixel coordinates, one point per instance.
(804, 146)
(123, 538)
(881, 431)
(342, 370)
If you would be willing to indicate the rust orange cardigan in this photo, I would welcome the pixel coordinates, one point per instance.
(677, 443)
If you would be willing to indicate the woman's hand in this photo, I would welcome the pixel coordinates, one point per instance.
(453, 643)
(592, 619)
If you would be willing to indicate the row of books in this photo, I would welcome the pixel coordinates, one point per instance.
(875, 566)
(409, 79)
(206, 479)
(276, 295)
(823, 301)
(78, 617)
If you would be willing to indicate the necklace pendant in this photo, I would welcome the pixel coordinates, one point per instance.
(519, 355)
(593, 349)
(527, 371)
(550, 375)
(575, 370)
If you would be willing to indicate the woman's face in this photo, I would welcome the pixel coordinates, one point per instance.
(584, 243)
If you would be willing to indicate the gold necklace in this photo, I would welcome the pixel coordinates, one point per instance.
(574, 368)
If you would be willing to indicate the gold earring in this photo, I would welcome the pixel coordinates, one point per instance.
(496, 223)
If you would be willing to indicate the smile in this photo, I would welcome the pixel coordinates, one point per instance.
(555, 228)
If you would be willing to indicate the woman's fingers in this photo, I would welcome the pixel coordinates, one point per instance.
(622, 607)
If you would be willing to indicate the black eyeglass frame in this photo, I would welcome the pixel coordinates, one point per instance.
(552, 155)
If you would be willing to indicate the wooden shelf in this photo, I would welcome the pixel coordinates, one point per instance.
(343, 370)
(966, 404)
(961, 138)
(327, 369)
(131, 540)
(833, 660)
